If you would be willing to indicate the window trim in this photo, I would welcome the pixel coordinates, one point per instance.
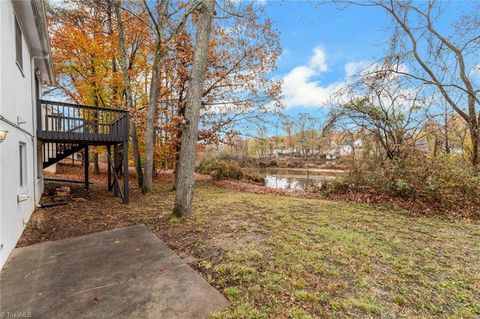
(17, 27)
(22, 160)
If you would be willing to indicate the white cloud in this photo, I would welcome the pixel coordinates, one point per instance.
(299, 87)
(319, 60)
(352, 68)
(302, 88)
(259, 2)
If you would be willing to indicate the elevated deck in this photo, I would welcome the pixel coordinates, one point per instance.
(66, 128)
(81, 124)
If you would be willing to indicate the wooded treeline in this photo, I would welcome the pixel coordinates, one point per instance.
(139, 55)
(187, 88)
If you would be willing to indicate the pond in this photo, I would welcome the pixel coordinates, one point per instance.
(295, 178)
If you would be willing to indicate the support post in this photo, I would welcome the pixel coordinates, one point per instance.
(87, 167)
(115, 167)
(39, 114)
(109, 168)
(125, 173)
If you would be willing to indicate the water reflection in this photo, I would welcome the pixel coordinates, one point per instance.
(295, 178)
(292, 182)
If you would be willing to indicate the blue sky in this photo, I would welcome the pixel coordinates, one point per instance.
(322, 45)
(353, 35)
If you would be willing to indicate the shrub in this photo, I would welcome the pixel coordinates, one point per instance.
(402, 187)
(443, 183)
(273, 163)
(262, 164)
(254, 178)
(294, 163)
(221, 169)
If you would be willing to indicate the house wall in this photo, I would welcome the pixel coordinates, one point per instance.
(16, 106)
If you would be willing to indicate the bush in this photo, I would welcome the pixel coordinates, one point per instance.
(443, 183)
(259, 179)
(221, 169)
(294, 163)
(273, 163)
(402, 187)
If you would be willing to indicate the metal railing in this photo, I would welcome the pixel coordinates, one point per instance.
(59, 121)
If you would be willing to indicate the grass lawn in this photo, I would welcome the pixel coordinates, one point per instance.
(285, 257)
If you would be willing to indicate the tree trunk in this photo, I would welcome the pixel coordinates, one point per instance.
(185, 172)
(436, 145)
(475, 136)
(151, 117)
(180, 113)
(96, 166)
(136, 154)
(114, 100)
(128, 93)
(447, 138)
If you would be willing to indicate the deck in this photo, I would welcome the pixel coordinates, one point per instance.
(75, 123)
(66, 128)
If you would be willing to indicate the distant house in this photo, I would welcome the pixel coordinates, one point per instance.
(422, 144)
(284, 152)
(340, 150)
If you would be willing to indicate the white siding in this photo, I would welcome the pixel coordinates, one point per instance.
(16, 105)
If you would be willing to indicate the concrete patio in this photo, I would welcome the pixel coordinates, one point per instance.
(121, 273)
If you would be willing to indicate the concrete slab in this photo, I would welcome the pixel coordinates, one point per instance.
(122, 273)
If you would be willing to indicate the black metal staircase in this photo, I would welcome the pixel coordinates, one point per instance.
(55, 152)
(66, 128)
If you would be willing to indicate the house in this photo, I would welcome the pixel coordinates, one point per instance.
(35, 133)
(24, 64)
(342, 150)
(284, 152)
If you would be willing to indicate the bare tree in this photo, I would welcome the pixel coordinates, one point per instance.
(305, 123)
(184, 180)
(287, 125)
(445, 62)
(386, 107)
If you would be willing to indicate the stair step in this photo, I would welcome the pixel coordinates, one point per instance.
(55, 152)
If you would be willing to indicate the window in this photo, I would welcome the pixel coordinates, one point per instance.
(23, 164)
(18, 45)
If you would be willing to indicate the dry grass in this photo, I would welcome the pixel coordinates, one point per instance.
(278, 256)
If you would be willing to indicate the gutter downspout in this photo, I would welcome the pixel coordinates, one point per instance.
(40, 24)
(34, 123)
